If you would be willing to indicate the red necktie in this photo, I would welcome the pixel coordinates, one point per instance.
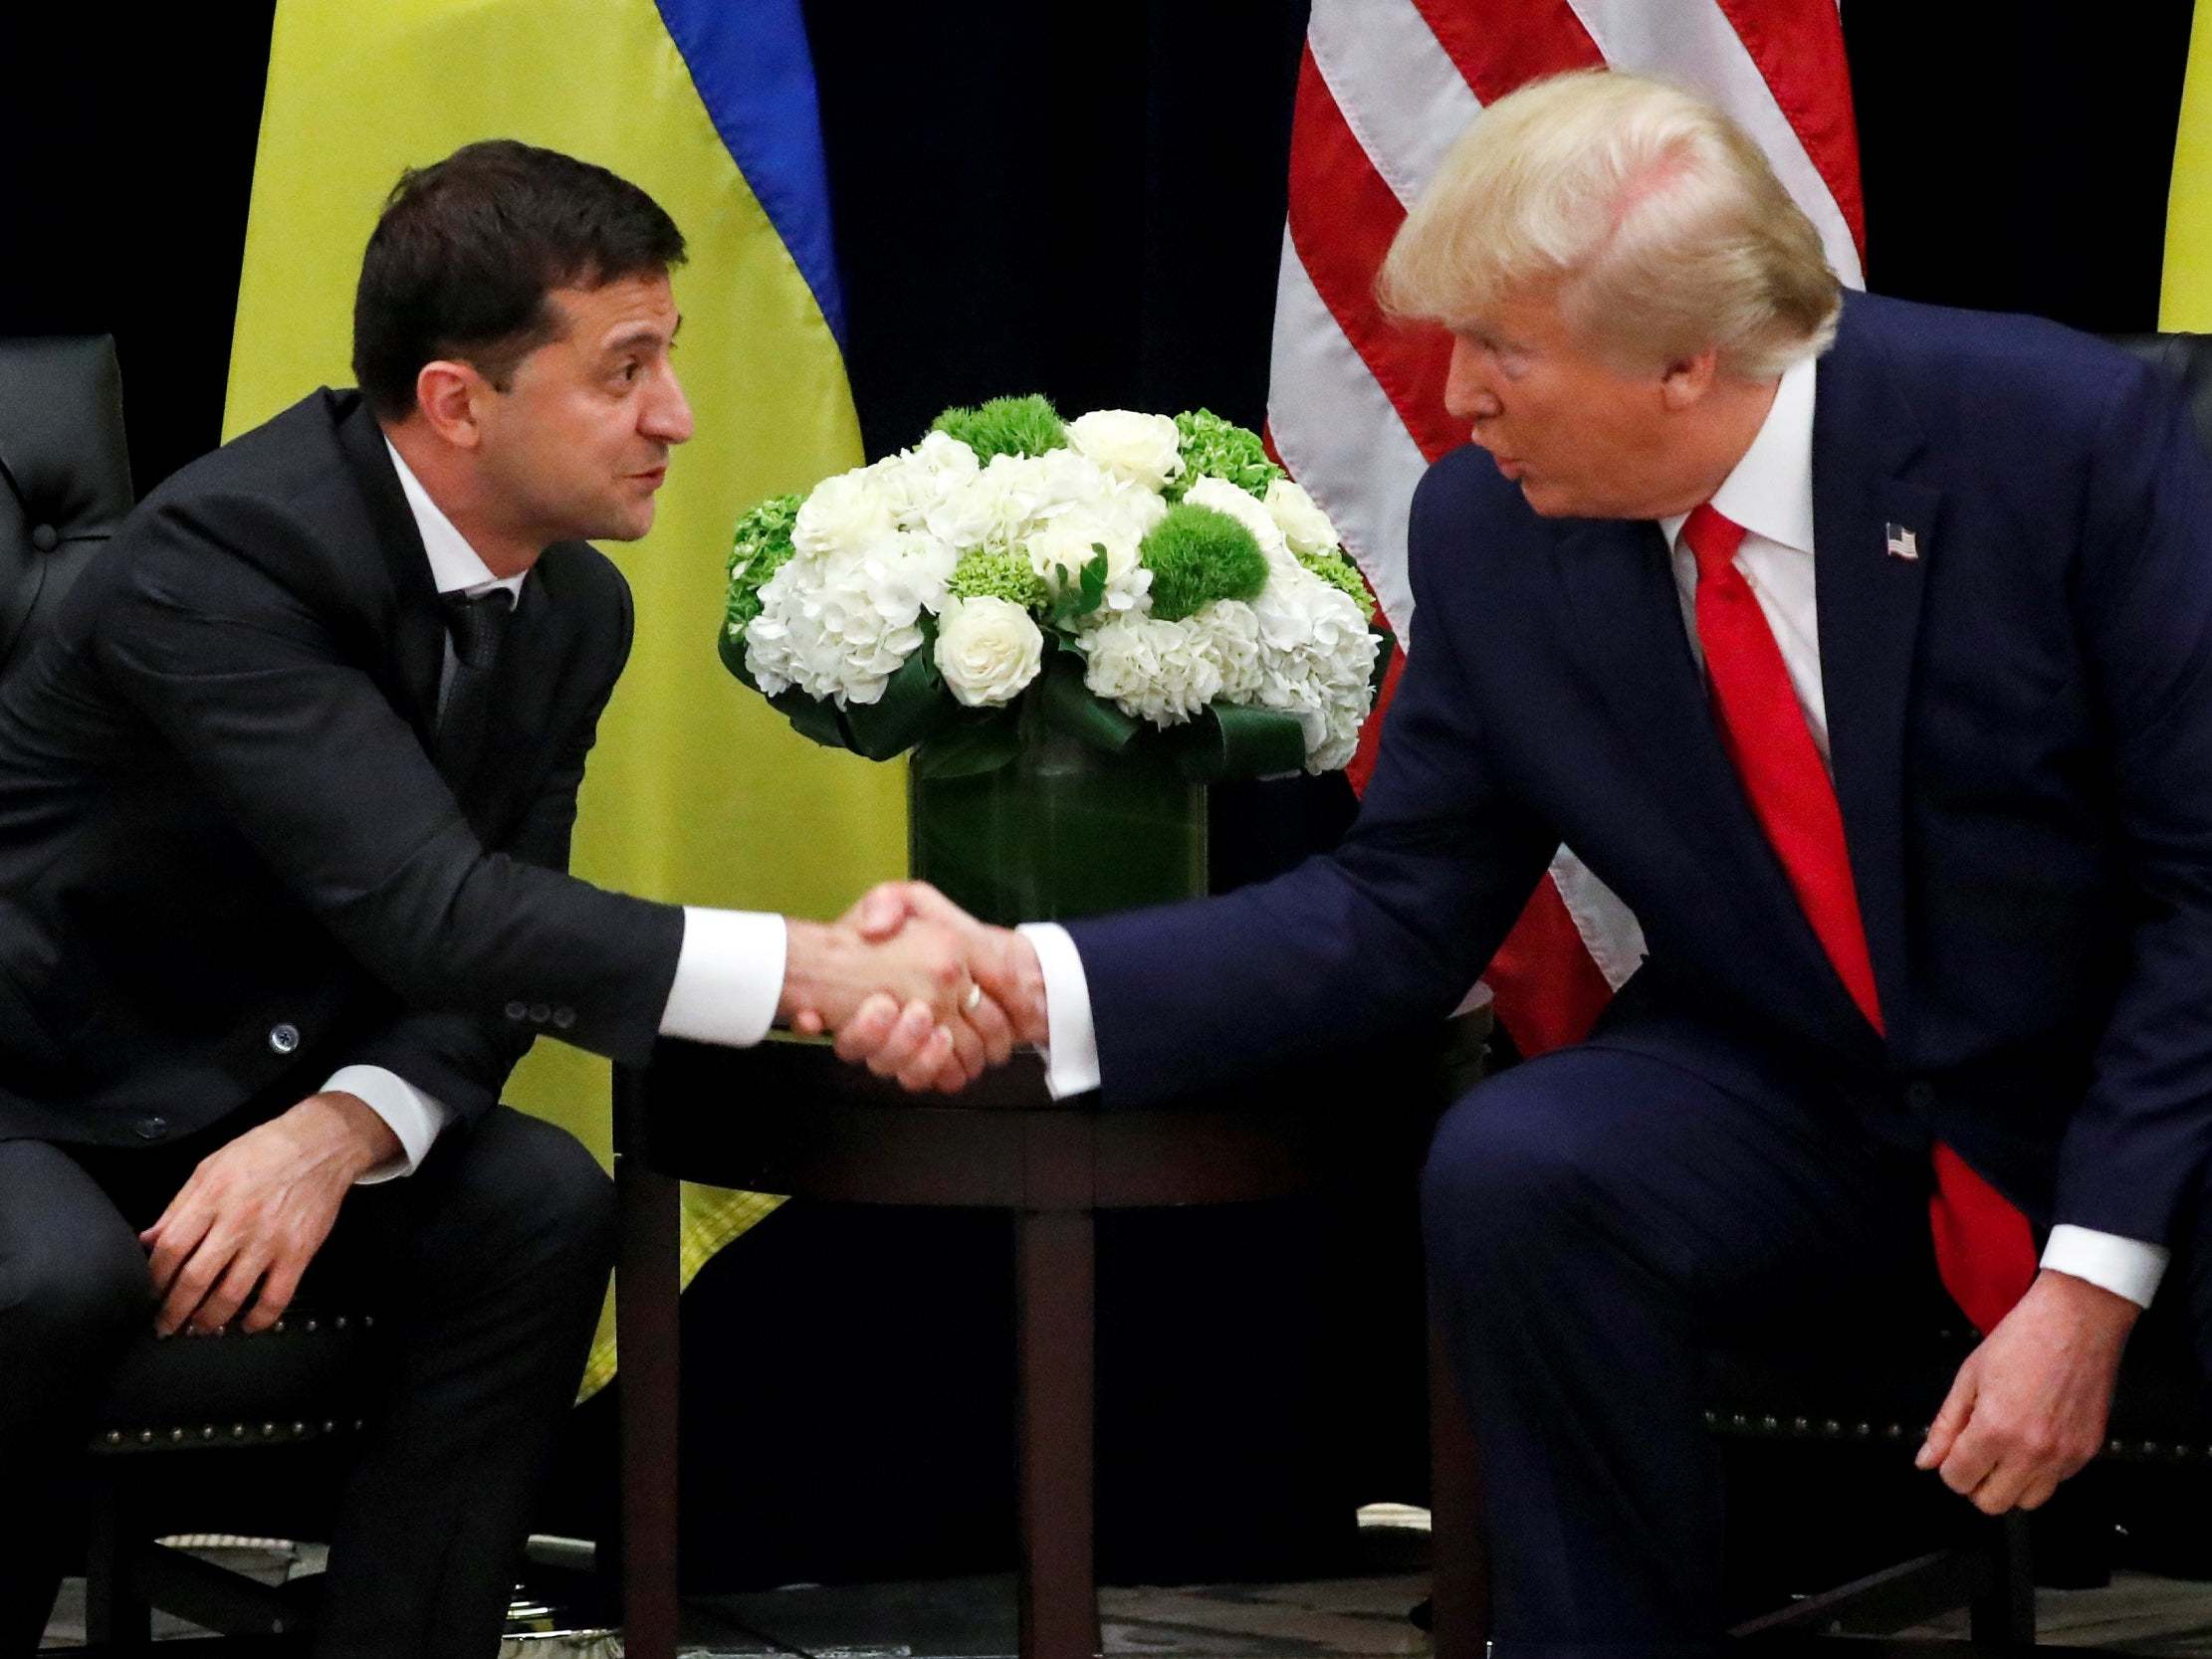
(1983, 1247)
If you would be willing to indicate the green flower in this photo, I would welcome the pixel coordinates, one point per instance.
(1005, 426)
(1339, 573)
(1214, 448)
(987, 575)
(757, 549)
(1196, 555)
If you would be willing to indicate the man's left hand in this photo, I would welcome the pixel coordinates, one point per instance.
(256, 1210)
(2030, 1404)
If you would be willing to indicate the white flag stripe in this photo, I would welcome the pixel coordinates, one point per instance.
(1399, 91)
(1336, 431)
(1692, 41)
(1609, 928)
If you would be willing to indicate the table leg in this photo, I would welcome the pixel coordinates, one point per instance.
(1459, 1585)
(645, 1313)
(1055, 1257)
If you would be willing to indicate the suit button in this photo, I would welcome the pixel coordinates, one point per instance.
(149, 1129)
(516, 1011)
(565, 1017)
(282, 1039)
(1921, 1096)
(539, 1013)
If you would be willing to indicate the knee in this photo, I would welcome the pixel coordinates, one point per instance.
(83, 1301)
(1508, 1164)
(564, 1200)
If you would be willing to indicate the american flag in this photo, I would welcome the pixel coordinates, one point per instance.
(1355, 405)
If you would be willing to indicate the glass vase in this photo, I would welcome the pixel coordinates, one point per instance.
(1063, 829)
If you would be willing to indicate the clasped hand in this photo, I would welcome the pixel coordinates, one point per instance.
(914, 988)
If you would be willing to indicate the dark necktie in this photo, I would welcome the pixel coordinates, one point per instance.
(1983, 1247)
(478, 627)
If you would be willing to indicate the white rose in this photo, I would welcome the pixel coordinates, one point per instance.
(1303, 525)
(1154, 670)
(1062, 549)
(988, 650)
(1143, 450)
(844, 514)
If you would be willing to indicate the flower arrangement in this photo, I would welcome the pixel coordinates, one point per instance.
(1125, 570)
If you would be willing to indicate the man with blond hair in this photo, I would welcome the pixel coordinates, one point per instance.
(1865, 650)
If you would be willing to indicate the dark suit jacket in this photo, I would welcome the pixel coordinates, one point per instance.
(2020, 722)
(219, 817)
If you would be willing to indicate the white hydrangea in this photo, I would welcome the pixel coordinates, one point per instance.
(1224, 496)
(1229, 632)
(1152, 670)
(913, 482)
(1000, 506)
(1316, 654)
(840, 625)
(1300, 518)
(1143, 449)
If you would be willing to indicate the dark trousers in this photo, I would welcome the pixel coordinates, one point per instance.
(1595, 1220)
(488, 1265)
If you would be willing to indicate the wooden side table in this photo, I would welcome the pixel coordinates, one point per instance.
(788, 1117)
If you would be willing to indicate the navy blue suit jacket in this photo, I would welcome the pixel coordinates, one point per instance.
(2021, 724)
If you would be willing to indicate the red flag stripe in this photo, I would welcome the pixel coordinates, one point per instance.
(1341, 219)
(1505, 44)
(1799, 48)
(1362, 769)
(1547, 990)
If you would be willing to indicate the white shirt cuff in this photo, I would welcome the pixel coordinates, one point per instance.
(416, 1117)
(1071, 1056)
(729, 977)
(2125, 1266)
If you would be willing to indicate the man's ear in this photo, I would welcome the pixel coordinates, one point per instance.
(1688, 380)
(448, 394)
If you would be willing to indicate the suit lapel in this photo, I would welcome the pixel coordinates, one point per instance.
(1869, 594)
(1628, 630)
(417, 626)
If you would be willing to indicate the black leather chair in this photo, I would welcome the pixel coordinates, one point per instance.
(218, 1434)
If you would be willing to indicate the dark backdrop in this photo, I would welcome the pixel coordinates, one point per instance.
(1090, 205)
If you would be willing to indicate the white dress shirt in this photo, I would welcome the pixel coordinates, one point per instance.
(1770, 493)
(729, 972)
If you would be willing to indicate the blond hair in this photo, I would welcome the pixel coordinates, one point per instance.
(1650, 218)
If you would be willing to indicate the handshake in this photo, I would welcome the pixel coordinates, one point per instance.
(914, 988)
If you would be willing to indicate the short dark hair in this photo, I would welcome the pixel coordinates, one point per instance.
(468, 248)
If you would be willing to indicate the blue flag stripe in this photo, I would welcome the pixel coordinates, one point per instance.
(755, 75)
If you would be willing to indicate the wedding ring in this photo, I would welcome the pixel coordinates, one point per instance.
(973, 1000)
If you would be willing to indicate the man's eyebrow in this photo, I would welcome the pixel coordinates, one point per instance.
(641, 336)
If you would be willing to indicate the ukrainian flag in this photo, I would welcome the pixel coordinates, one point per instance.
(697, 791)
(2185, 290)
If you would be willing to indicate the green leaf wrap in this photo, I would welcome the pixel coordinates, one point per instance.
(1230, 740)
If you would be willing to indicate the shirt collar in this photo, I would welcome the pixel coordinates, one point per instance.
(455, 566)
(1770, 492)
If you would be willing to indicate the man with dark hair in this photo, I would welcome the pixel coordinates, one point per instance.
(284, 807)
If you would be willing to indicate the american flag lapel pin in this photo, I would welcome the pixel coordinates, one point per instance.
(1900, 543)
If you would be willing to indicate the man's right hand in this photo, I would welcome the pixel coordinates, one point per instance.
(892, 1043)
(904, 994)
